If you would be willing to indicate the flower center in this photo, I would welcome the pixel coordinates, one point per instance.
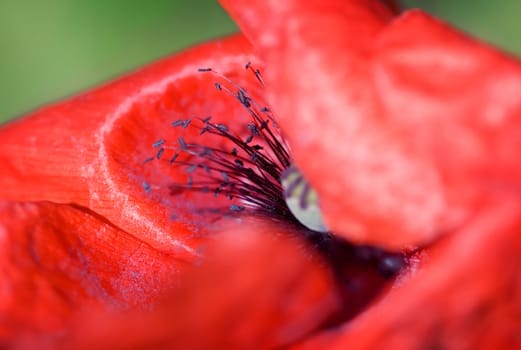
(252, 168)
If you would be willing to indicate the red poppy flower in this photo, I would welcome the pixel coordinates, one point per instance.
(406, 129)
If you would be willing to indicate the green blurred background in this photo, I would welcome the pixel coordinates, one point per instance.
(55, 48)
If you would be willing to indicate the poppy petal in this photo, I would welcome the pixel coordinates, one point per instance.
(60, 259)
(90, 150)
(403, 119)
(254, 290)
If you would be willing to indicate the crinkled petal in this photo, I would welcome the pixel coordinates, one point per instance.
(90, 150)
(256, 289)
(402, 125)
(57, 260)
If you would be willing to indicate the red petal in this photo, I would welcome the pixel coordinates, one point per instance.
(397, 125)
(252, 291)
(465, 297)
(56, 260)
(90, 150)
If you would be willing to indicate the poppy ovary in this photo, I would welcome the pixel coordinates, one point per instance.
(302, 200)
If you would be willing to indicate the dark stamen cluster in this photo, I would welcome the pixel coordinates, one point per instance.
(249, 170)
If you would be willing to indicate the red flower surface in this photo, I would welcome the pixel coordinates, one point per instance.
(407, 129)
